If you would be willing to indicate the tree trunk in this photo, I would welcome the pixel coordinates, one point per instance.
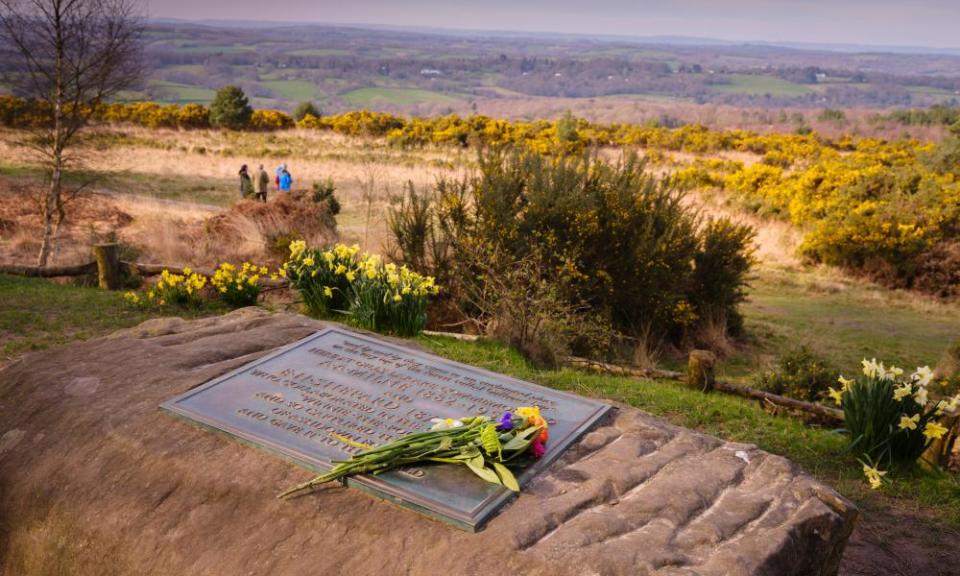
(700, 370)
(50, 204)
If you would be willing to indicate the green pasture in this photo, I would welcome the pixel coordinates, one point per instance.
(758, 85)
(399, 96)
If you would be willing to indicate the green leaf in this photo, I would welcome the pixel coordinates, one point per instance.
(476, 465)
(506, 477)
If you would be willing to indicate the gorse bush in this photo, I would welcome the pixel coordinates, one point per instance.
(372, 294)
(889, 417)
(611, 241)
(801, 374)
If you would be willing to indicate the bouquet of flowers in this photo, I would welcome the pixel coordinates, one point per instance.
(487, 448)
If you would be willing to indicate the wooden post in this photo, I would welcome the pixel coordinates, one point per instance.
(108, 265)
(700, 374)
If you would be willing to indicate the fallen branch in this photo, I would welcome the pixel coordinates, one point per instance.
(456, 335)
(825, 412)
(48, 271)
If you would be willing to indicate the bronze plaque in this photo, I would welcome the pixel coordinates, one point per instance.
(372, 391)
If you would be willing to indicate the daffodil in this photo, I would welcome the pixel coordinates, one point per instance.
(328, 292)
(901, 392)
(909, 422)
(934, 431)
(921, 396)
(837, 396)
(444, 423)
(870, 368)
(846, 383)
(874, 476)
(923, 375)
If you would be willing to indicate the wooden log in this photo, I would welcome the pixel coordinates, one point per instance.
(700, 370)
(48, 271)
(825, 412)
(455, 335)
(109, 274)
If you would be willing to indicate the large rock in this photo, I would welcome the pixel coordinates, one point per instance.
(95, 480)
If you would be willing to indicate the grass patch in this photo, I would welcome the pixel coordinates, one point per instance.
(820, 452)
(177, 93)
(399, 96)
(757, 85)
(36, 314)
(300, 90)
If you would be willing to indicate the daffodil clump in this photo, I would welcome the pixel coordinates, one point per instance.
(388, 298)
(890, 417)
(172, 289)
(376, 295)
(488, 448)
(323, 277)
(238, 287)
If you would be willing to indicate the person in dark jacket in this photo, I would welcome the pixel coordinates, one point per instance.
(263, 181)
(246, 184)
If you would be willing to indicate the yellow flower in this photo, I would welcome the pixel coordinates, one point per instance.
(308, 261)
(934, 431)
(874, 476)
(901, 392)
(909, 423)
(351, 276)
(528, 412)
(340, 269)
(846, 383)
(327, 292)
(837, 396)
(187, 271)
(397, 298)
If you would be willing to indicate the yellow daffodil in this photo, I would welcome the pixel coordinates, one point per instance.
(350, 275)
(901, 392)
(846, 383)
(837, 396)
(328, 292)
(909, 422)
(934, 431)
(308, 261)
(874, 476)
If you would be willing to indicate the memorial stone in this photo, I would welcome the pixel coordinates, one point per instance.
(295, 402)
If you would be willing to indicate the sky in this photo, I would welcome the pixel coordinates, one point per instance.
(927, 23)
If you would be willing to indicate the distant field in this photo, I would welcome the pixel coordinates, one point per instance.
(215, 49)
(177, 93)
(400, 96)
(320, 52)
(299, 90)
(750, 84)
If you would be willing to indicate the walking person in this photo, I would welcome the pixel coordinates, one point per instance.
(286, 180)
(280, 170)
(246, 184)
(263, 181)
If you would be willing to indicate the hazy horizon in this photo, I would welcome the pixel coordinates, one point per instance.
(929, 23)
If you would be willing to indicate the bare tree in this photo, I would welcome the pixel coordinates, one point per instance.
(70, 56)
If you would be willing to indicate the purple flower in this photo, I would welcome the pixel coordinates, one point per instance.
(537, 448)
(506, 422)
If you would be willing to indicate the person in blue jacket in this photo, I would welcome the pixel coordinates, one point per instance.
(286, 181)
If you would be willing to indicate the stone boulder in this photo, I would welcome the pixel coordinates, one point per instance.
(96, 480)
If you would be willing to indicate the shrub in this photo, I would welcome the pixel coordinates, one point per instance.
(323, 193)
(890, 418)
(238, 287)
(230, 109)
(612, 242)
(193, 116)
(800, 374)
(305, 109)
(268, 120)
